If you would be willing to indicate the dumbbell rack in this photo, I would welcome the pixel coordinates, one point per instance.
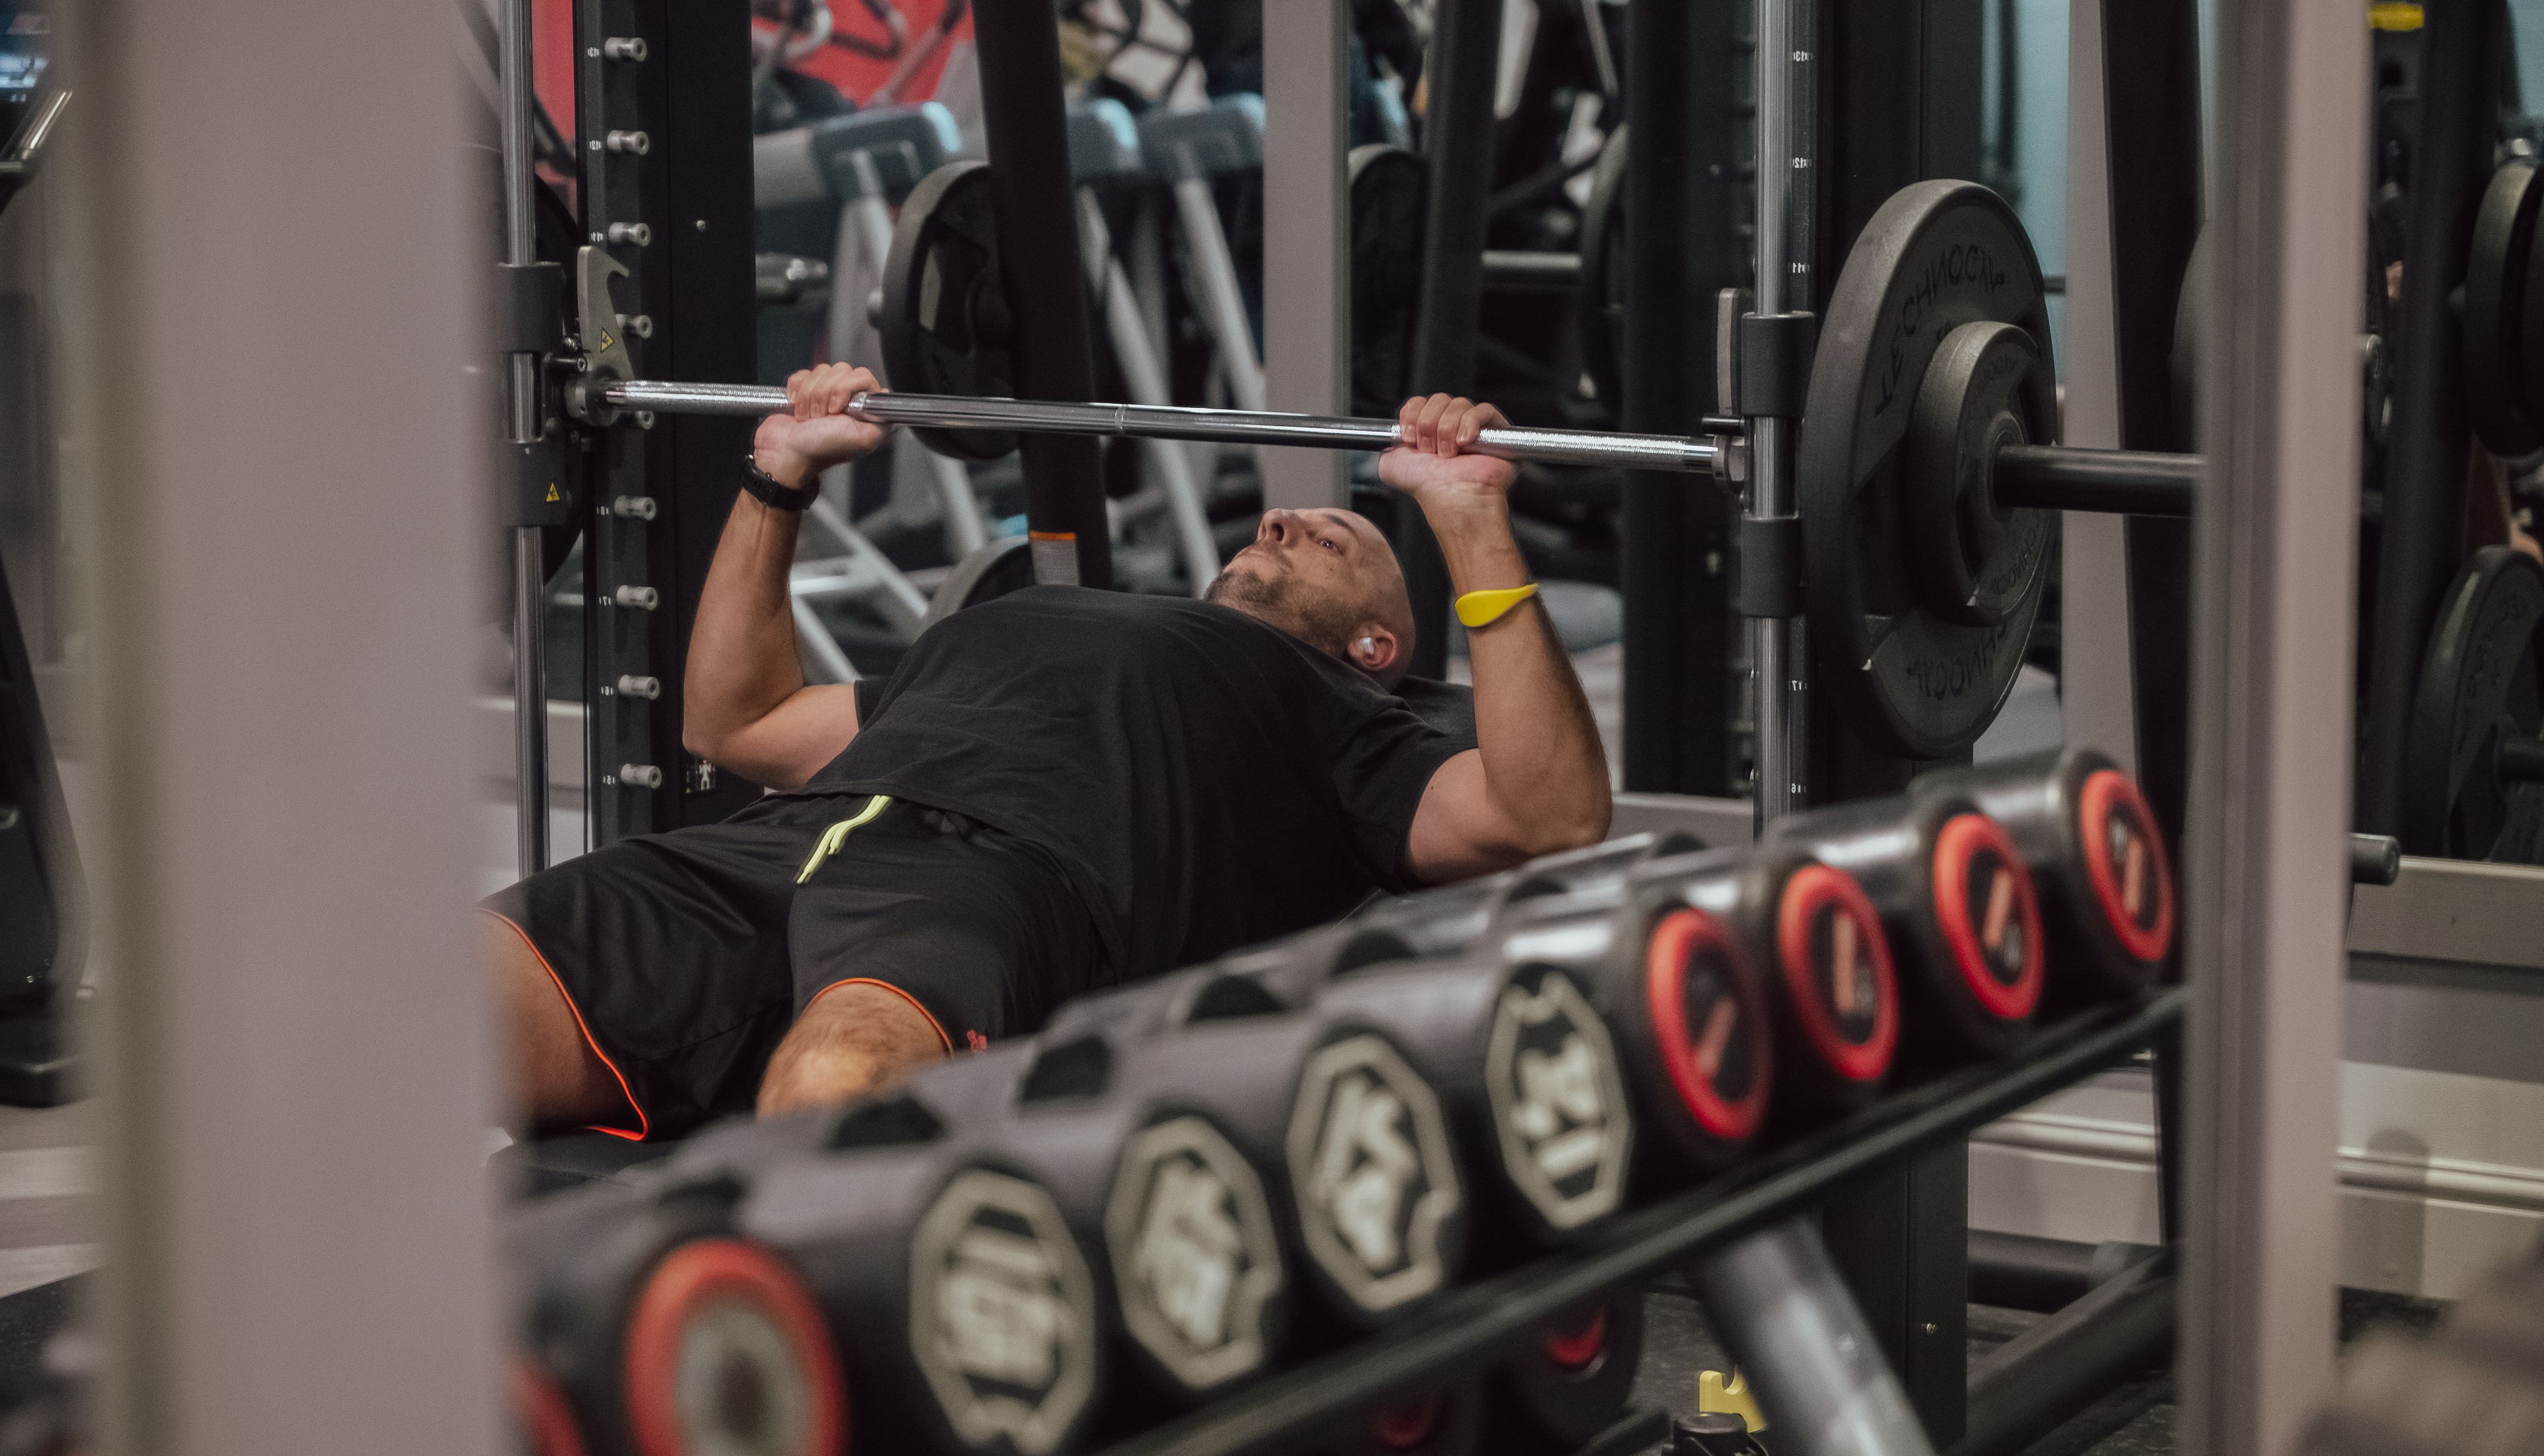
(1500, 1313)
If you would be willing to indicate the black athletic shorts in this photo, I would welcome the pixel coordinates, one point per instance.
(686, 955)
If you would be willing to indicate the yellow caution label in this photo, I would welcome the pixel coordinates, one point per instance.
(1731, 1397)
(553, 497)
(2393, 15)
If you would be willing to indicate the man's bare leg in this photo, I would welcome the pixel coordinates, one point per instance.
(851, 1040)
(556, 1077)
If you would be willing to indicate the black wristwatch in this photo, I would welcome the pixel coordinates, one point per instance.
(764, 487)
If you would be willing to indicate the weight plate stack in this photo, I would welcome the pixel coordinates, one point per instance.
(2473, 757)
(1387, 185)
(1902, 413)
(1572, 1383)
(2098, 863)
(1956, 903)
(2505, 402)
(945, 324)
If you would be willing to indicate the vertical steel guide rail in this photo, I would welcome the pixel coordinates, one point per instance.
(522, 427)
(1776, 643)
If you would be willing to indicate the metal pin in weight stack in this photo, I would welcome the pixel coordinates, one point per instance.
(1958, 907)
(2097, 859)
(1689, 1015)
(613, 1277)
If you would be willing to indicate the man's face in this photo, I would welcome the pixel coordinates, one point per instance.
(1324, 576)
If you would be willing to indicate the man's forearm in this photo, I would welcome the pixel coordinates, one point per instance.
(741, 650)
(1541, 758)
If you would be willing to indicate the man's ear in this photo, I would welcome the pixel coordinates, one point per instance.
(1374, 649)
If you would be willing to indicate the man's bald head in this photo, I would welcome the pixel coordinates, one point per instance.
(1329, 577)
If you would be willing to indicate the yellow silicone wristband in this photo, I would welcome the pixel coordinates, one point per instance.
(1486, 608)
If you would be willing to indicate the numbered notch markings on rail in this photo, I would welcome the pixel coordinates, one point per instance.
(1372, 1174)
(1003, 1316)
(1566, 1129)
(1196, 1262)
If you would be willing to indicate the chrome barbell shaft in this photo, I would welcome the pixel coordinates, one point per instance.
(1160, 422)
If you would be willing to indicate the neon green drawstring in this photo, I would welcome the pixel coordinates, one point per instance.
(837, 835)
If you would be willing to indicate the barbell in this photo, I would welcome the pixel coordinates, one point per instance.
(1927, 468)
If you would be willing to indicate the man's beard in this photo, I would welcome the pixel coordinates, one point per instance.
(1281, 602)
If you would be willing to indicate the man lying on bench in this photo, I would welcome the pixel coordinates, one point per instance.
(1059, 791)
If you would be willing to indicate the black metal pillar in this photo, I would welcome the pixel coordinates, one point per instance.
(1029, 192)
(1458, 138)
(1902, 1236)
(1685, 196)
(2423, 536)
(2151, 93)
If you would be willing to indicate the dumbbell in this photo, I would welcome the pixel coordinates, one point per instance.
(544, 1420)
(1460, 915)
(1178, 1224)
(1818, 943)
(612, 1277)
(1690, 1015)
(2098, 863)
(1351, 1141)
(1442, 1420)
(1573, 1380)
(1958, 905)
(1526, 1071)
(963, 1308)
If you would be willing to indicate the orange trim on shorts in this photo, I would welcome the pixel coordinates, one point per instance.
(642, 1123)
(938, 1026)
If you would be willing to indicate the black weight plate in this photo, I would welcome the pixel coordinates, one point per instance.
(989, 571)
(945, 324)
(1976, 561)
(2479, 690)
(1936, 256)
(1387, 184)
(1599, 305)
(2499, 394)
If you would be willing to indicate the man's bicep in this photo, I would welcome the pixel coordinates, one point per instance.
(792, 742)
(1458, 831)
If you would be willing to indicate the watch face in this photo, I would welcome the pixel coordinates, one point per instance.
(1565, 1130)
(1372, 1174)
(1196, 1262)
(1003, 1317)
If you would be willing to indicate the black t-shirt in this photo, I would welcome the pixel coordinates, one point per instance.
(1207, 780)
